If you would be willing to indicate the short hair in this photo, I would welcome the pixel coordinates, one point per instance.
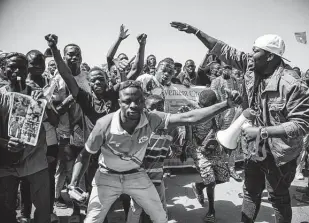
(151, 55)
(15, 54)
(296, 68)
(190, 60)
(178, 65)
(98, 69)
(212, 63)
(130, 83)
(2, 59)
(207, 98)
(167, 60)
(34, 53)
(72, 45)
(153, 98)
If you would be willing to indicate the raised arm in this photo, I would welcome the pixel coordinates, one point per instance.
(112, 51)
(224, 52)
(204, 114)
(62, 67)
(138, 65)
(207, 40)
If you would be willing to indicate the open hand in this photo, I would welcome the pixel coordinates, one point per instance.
(142, 39)
(37, 94)
(52, 40)
(123, 34)
(184, 27)
(15, 145)
(233, 98)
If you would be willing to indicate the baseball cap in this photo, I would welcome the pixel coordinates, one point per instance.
(271, 43)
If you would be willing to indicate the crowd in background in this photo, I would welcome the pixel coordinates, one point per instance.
(78, 103)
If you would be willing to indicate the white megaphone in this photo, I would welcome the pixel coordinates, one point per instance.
(228, 138)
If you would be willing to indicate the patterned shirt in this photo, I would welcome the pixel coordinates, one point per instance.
(158, 149)
(218, 85)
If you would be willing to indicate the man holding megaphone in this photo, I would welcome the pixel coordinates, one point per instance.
(281, 104)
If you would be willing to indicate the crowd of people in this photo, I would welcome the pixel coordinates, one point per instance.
(106, 131)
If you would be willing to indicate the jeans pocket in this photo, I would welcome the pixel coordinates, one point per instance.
(105, 179)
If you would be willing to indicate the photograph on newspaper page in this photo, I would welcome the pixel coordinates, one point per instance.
(26, 115)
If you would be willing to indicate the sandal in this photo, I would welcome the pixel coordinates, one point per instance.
(198, 194)
(210, 218)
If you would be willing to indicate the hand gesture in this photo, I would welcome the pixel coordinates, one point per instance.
(184, 27)
(186, 83)
(123, 33)
(142, 39)
(233, 98)
(37, 94)
(15, 145)
(52, 40)
(250, 133)
(184, 108)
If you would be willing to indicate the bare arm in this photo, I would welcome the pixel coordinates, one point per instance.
(197, 115)
(207, 40)
(204, 114)
(112, 51)
(138, 65)
(80, 167)
(63, 69)
(224, 52)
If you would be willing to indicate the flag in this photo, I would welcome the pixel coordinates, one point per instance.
(301, 37)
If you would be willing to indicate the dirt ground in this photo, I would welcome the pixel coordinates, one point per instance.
(184, 208)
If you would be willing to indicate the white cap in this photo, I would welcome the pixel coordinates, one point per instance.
(271, 43)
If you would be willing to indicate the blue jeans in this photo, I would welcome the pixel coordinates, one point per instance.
(107, 187)
(277, 180)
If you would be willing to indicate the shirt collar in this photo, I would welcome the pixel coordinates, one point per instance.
(118, 130)
(273, 82)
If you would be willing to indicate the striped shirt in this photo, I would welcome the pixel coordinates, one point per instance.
(158, 149)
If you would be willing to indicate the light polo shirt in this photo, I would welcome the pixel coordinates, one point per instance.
(121, 151)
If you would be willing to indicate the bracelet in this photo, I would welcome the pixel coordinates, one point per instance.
(197, 32)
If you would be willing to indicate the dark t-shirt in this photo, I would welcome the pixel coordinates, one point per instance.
(95, 108)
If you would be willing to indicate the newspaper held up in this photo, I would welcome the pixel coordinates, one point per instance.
(26, 115)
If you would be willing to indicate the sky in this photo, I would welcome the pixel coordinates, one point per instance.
(94, 25)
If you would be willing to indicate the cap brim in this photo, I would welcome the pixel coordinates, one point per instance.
(272, 52)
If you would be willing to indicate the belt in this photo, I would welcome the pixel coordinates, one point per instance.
(123, 172)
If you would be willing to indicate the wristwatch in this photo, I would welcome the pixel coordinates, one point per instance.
(264, 133)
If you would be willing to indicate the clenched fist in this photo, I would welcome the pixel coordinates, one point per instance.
(52, 40)
(141, 38)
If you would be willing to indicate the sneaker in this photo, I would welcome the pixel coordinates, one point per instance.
(210, 218)
(198, 193)
(24, 220)
(54, 218)
(299, 176)
(235, 175)
(59, 203)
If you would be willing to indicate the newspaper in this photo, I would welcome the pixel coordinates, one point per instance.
(26, 115)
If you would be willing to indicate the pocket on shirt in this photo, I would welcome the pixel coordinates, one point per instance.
(276, 112)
